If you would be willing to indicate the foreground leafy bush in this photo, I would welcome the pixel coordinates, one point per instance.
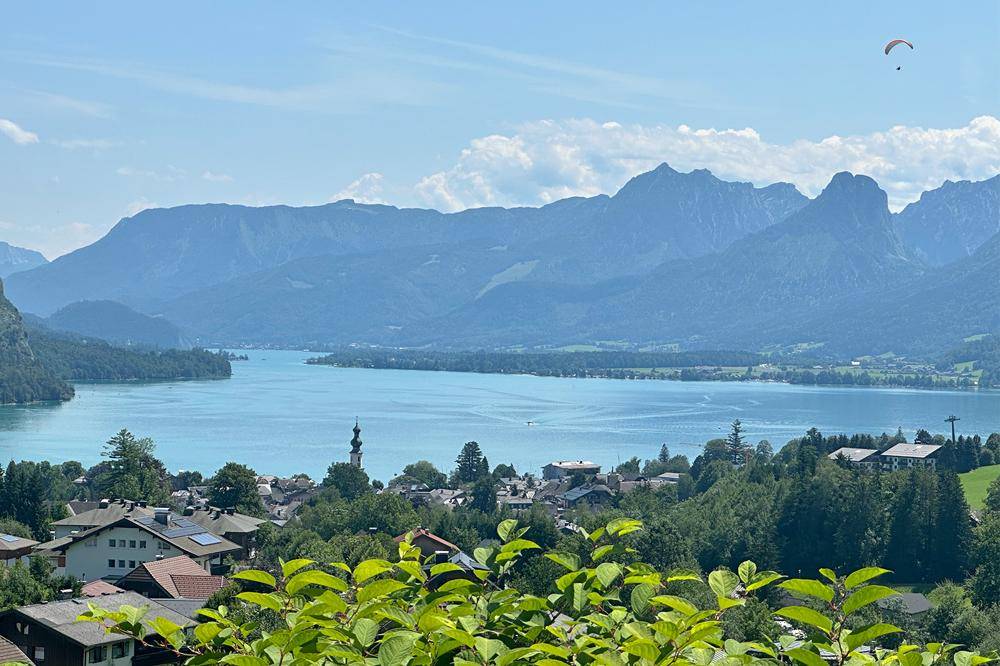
(606, 609)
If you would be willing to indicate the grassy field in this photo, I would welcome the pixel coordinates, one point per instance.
(976, 482)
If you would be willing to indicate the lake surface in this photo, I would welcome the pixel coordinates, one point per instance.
(281, 416)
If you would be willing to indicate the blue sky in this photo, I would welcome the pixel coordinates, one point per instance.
(110, 108)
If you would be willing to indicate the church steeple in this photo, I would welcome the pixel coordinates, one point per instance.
(356, 445)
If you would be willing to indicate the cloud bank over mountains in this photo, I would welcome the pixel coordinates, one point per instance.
(543, 161)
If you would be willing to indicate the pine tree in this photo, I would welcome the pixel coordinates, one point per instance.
(469, 463)
(953, 536)
(664, 456)
(735, 444)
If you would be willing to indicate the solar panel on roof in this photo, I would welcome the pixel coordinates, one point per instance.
(205, 539)
(8, 538)
(183, 531)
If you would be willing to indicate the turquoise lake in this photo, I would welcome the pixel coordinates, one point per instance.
(281, 416)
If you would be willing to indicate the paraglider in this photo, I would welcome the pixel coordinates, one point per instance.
(893, 44)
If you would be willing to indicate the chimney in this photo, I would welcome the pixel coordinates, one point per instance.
(188, 511)
(104, 504)
(161, 514)
(143, 503)
(372, 531)
(230, 510)
(440, 556)
(159, 556)
(65, 594)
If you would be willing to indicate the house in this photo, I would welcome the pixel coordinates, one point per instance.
(172, 578)
(908, 456)
(52, 636)
(665, 479)
(593, 495)
(239, 528)
(563, 468)
(516, 503)
(911, 603)
(9, 653)
(88, 515)
(867, 459)
(111, 550)
(447, 497)
(428, 542)
(15, 549)
(467, 568)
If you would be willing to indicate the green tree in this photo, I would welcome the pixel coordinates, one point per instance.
(133, 472)
(426, 473)
(984, 586)
(953, 536)
(484, 495)
(992, 503)
(469, 463)
(504, 471)
(736, 444)
(14, 528)
(349, 480)
(235, 485)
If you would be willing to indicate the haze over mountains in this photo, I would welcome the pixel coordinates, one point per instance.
(672, 258)
(14, 259)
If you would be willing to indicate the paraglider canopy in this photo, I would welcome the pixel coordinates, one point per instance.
(894, 43)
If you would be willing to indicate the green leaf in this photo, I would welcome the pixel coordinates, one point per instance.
(256, 576)
(379, 588)
(806, 657)
(763, 579)
(570, 561)
(829, 574)
(808, 587)
(289, 568)
(806, 616)
(370, 568)
(518, 545)
(868, 594)
(365, 631)
(504, 529)
(867, 634)
(640, 598)
(723, 582)
(747, 571)
(243, 660)
(314, 577)
(680, 605)
(863, 576)
(608, 573)
(395, 650)
(601, 552)
(206, 632)
(444, 567)
(268, 601)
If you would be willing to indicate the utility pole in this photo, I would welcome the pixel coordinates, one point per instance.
(951, 419)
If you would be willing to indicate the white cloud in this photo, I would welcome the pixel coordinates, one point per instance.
(217, 177)
(366, 189)
(16, 133)
(82, 106)
(548, 160)
(85, 144)
(51, 241)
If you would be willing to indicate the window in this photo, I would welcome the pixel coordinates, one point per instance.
(97, 654)
(131, 564)
(121, 543)
(121, 564)
(131, 543)
(119, 650)
(142, 544)
(39, 654)
(111, 564)
(111, 543)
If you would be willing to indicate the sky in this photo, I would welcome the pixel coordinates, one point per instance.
(109, 108)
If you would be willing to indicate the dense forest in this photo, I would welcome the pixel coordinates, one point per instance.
(983, 353)
(78, 359)
(683, 366)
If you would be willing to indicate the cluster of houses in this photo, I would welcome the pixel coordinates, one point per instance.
(901, 456)
(565, 484)
(281, 496)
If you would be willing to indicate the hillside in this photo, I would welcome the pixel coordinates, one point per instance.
(116, 323)
(14, 259)
(23, 377)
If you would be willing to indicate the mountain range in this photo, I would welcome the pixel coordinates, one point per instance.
(684, 259)
(14, 259)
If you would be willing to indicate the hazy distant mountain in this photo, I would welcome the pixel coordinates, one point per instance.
(14, 259)
(117, 324)
(836, 247)
(161, 254)
(23, 378)
(952, 221)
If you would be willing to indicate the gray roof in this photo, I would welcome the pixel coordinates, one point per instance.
(573, 464)
(223, 523)
(179, 533)
(61, 616)
(186, 607)
(852, 454)
(577, 493)
(9, 542)
(98, 516)
(912, 450)
(913, 603)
